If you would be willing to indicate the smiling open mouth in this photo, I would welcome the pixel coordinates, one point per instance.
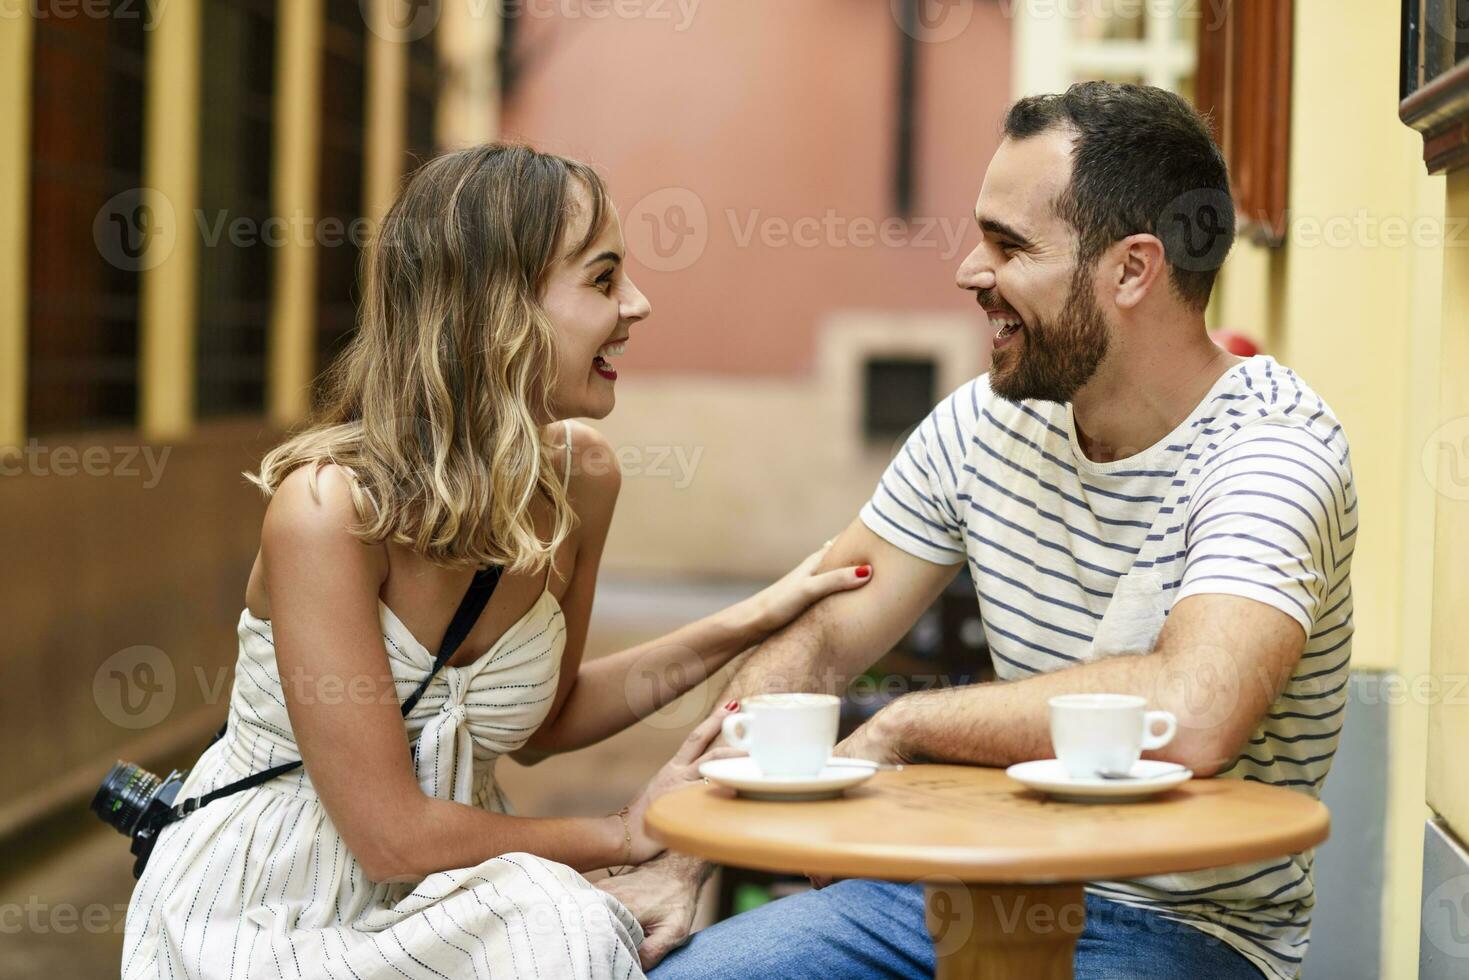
(1009, 325)
(602, 363)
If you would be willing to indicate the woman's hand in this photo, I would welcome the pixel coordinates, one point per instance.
(681, 770)
(801, 588)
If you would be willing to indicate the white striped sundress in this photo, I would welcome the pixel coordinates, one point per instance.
(260, 884)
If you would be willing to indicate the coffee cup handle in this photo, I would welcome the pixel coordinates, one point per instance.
(1150, 740)
(731, 728)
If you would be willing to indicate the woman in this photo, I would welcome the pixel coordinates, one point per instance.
(493, 300)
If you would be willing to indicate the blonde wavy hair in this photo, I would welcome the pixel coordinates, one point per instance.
(435, 407)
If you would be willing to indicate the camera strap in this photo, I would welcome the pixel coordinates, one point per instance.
(481, 587)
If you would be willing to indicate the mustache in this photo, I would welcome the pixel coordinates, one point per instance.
(990, 299)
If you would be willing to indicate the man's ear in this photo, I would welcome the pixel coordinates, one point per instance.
(1141, 266)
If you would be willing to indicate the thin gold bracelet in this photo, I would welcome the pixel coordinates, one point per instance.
(626, 843)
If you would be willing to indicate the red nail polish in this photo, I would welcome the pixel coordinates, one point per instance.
(864, 571)
(731, 706)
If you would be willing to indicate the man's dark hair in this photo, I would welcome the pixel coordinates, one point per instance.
(1144, 162)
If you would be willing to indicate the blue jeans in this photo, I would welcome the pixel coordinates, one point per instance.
(859, 929)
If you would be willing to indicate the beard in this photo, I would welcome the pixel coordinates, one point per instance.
(1049, 360)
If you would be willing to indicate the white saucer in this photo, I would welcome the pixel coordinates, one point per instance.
(1147, 778)
(745, 778)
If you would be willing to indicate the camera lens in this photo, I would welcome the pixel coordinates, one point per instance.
(124, 796)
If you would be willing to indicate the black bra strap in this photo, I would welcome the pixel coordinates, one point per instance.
(476, 597)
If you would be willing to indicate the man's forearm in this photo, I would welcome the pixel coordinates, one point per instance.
(805, 656)
(1002, 723)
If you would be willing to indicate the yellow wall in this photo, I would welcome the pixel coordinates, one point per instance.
(1351, 302)
(1448, 787)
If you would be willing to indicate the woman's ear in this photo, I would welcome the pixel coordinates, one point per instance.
(1141, 266)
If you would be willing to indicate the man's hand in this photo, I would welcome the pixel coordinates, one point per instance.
(662, 895)
(877, 740)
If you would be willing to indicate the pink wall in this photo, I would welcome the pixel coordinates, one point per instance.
(776, 111)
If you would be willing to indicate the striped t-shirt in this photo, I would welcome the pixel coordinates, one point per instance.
(1251, 495)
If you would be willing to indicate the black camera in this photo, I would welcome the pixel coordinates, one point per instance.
(135, 803)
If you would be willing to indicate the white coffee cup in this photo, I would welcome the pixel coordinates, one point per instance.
(786, 734)
(1096, 733)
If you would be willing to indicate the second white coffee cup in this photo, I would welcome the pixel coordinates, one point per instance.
(786, 734)
(1095, 733)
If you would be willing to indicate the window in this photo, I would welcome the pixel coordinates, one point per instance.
(897, 395)
(1149, 42)
(234, 201)
(339, 219)
(1244, 86)
(89, 221)
(1434, 79)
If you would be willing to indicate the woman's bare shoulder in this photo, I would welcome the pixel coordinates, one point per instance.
(316, 516)
(596, 476)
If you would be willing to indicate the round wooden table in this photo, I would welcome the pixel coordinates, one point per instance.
(1002, 865)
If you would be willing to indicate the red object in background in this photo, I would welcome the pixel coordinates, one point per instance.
(1236, 344)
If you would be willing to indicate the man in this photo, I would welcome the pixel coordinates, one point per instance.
(1141, 512)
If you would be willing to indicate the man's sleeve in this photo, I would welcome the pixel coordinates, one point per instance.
(1273, 518)
(916, 506)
